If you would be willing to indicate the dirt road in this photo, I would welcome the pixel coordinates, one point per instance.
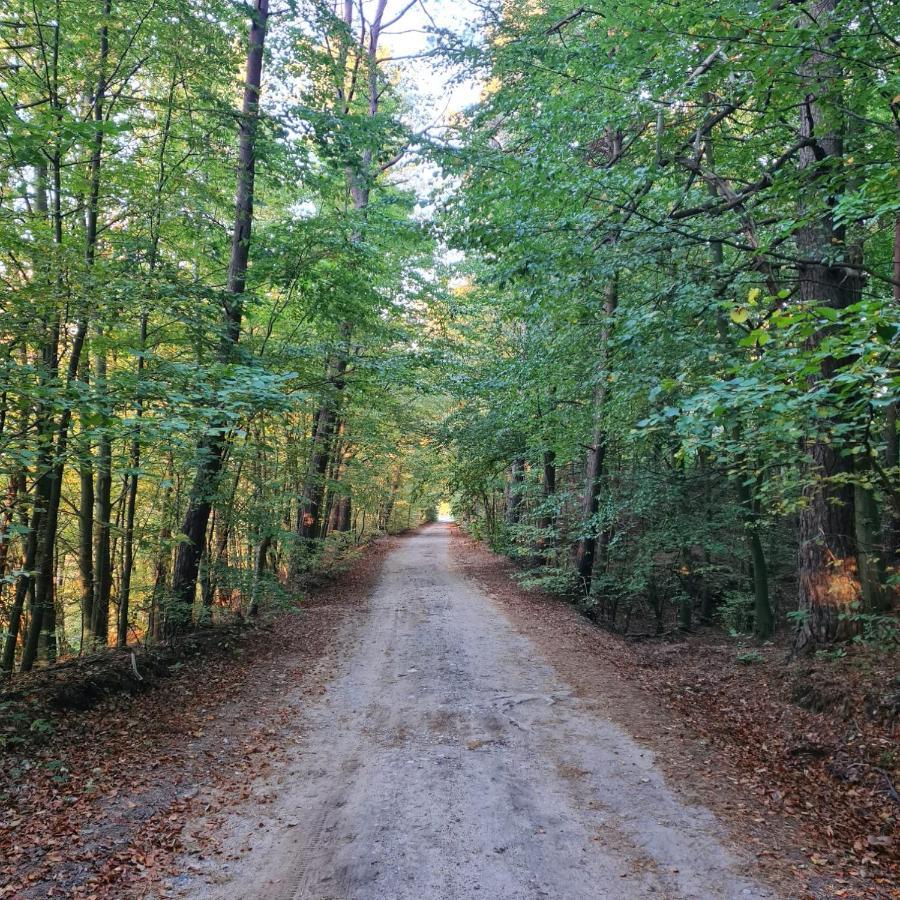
(448, 760)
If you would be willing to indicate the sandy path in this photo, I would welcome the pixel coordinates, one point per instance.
(448, 760)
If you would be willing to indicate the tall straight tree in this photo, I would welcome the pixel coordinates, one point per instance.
(211, 449)
(350, 61)
(828, 575)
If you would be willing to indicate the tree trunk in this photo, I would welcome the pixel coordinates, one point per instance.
(344, 514)
(211, 449)
(869, 550)
(828, 572)
(545, 523)
(25, 583)
(763, 621)
(587, 546)
(131, 508)
(259, 569)
(309, 512)
(514, 491)
(86, 544)
(387, 509)
(102, 519)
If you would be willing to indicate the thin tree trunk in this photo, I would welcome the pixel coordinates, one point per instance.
(85, 541)
(514, 489)
(102, 521)
(763, 619)
(587, 546)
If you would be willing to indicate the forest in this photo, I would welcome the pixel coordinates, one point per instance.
(199, 393)
(684, 243)
(631, 309)
(645, 333)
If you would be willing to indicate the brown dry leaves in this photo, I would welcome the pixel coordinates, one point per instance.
(95, 804)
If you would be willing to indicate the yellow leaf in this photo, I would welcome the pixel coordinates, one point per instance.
(739, 316)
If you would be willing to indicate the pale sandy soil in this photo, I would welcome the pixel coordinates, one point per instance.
(448, 758)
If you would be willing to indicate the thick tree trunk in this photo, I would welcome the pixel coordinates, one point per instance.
(344, 514)
(828, 571)
(211, 450)
(309, 512)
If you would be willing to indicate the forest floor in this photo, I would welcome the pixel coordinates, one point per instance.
(422, 728)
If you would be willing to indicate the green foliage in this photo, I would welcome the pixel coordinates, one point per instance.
(684, 182)
(134, 116)
(736, 613)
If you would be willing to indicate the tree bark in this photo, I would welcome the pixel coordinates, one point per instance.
(514, 491)
(102, 519)
(587, 547)
(828, 572)
(211, 449)
(85, 542)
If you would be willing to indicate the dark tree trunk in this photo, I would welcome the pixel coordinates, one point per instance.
(344, 515)
(156, 624)
(25, 583)
(86, 544)
(828, 573)
(763, 621)
(309, 513)
(211, 450)
(130, 510)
